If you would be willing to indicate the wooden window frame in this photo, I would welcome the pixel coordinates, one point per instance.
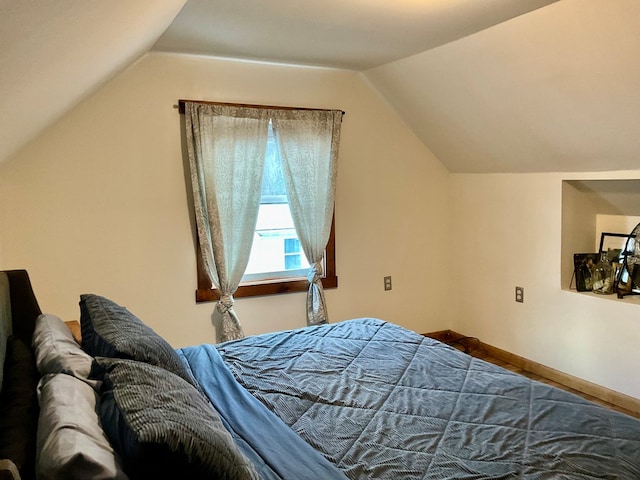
(205, 293)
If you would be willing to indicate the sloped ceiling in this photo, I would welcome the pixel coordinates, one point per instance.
(557, 89)
(54, 53)
(351, 34)
(489, 86)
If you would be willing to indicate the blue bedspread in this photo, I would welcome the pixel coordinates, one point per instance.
(275, 450)
(381, 402)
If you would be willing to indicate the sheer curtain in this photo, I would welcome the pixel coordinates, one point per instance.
(226, 147)
(308, 141)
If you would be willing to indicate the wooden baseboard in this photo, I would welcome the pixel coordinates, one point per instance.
(446, 336)
(605, 394)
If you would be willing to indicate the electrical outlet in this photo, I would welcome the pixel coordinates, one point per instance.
(387, 282)
(520, 294)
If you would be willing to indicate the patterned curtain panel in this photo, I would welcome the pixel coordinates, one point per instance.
(226, 147)
(308, 141)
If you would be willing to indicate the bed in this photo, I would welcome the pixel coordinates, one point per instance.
(359, 399)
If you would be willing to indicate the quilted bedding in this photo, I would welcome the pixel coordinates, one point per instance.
(379, 401)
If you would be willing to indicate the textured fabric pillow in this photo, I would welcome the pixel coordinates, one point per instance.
(71, 442)
(19, 407)
(57, 351)
(109, 330)
(163, 427)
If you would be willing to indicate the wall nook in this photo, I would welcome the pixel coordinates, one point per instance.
(589, 208)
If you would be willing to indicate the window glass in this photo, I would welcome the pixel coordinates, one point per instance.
(276, 252)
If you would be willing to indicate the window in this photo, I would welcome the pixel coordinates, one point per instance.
(276, 252)
(292, 254)
(277, 263)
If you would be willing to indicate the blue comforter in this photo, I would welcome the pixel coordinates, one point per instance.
(381, 402)
(275, 450)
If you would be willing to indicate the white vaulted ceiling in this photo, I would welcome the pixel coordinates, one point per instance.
(54, 53)
(352, 34)
(489, 86)
(555, 90)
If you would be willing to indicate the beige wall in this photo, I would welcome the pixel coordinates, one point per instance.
(508, 229)
(98, 203)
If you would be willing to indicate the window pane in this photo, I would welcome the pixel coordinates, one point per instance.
(292, 262)
(292, 245)
(273, 189)
(276, 250)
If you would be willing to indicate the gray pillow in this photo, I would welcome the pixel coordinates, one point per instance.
(57, 351)
(71, 442)
(109, 330)
(163, 427)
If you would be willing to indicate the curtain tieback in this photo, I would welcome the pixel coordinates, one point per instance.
(315, 272)
(225, 303)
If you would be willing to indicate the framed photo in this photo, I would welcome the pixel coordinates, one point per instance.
(615, 245)
(583, 264)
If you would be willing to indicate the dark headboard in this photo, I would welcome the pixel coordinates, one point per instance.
(24, 306)
(18, 399)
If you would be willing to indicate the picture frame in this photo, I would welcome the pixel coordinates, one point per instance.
(614, 245)
(582, 266)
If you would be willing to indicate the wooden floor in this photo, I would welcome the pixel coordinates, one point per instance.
(479, 353)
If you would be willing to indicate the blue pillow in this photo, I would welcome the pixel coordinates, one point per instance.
(109, 330)
(162, 427)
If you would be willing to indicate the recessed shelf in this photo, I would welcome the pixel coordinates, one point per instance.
(590, 207)
(631, 299)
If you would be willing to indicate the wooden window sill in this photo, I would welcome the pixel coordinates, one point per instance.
(213, 294)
